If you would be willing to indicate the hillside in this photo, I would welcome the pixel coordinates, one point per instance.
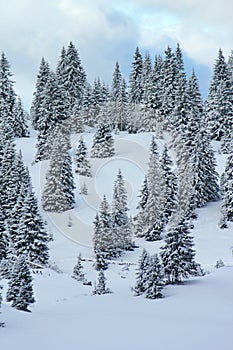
(194, 315)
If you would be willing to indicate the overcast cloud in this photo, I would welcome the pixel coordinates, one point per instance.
(105, 31)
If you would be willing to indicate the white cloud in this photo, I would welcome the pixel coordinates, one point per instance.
(105, 31)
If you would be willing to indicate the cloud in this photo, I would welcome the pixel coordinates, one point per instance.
(105, 31)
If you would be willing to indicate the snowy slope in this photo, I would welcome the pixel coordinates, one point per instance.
(195, 315)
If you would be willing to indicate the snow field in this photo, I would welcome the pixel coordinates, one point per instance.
(195, 315)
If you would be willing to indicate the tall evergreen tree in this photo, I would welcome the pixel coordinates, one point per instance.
(71, 75)
(121, 222)
(20, 290)
(170, 182)
(38, 95)
(154, 283)
(82, 164)
(58, 193)
(103, 143)
(136, 78)
(178, 254)
(32, 238)
(219, 101)
(227, 190)
(20, 124)
(141, 273)
(54, 113)
(7, 98)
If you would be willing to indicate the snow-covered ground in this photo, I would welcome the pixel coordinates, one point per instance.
(197, 315)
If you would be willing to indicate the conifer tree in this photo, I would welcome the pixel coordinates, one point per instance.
(101, 288)
(136, 78)
(227, 190)
(120, 219)
(7, 98)
(219, 101)
(3, 239)
(32, 238)
(78, 270)
(115, 94)
(82, 164)
(154, 283)
(178, 254)
(58, 193)
(141, 273)
(170, 182)
(2, 324)
(20, 290)
(20, 124)
(54, 113)
(152, 213)
(38, 95)
(103, 143)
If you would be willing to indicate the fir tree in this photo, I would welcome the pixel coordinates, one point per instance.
(219, 101)
(141, 273)
(32, 238)
(170, 182)
(154, 283)
(38, 95)
(58, 193)
(120, 219)
(103, 143)
(20, 290)
(152, 214)
(83, 166)
(2, 324)
(78, 270)
(136, 78)
(227, 190)
(20, 125)
(7, 99)
(54, 113)
(178, 254)
(101, 288)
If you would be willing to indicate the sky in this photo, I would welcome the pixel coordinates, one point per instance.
(106, 31)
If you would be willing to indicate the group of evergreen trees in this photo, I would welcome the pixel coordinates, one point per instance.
(158, 195)
(176, 262)
(112, 227)
(23, 238)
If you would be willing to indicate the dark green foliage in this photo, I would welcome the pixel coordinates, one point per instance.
(178, 254)
(20, 291)
(103, 143)
(82, 164)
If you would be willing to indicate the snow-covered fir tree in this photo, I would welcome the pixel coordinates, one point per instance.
(82, 165)
(58, 193)
(20, 289)
(2, 324)
(155, 278)
(32, 238)
(38, 95)
(100, 287)
(151, 216)
(227, 190)
(78, 273)
(136, 78)
(54, 113)
(219, 102)
(120, 220)
(178, 254)
(71, 79)
(170, 183)
(103, 143)
(141, 273)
